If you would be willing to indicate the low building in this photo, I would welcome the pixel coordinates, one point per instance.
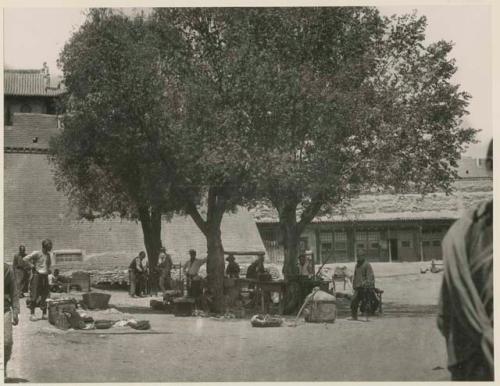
(388, 227)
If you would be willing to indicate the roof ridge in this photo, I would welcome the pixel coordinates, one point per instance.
(24, 70)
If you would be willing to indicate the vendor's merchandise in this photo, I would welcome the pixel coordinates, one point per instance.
(320, 307)
(57, 308)
(183, 306)
(103, 324)
(140, 325)
(266, 321)
(96, 300)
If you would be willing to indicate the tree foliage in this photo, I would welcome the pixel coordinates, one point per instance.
(212, 108)
(108, 158)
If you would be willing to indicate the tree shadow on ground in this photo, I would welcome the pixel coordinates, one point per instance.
(138, 310)
(15, 380)
(393, 310)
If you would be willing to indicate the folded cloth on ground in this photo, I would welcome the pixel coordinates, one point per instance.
(140, 325)
(103, 324)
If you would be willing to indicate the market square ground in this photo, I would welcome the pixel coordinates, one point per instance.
(402, 345)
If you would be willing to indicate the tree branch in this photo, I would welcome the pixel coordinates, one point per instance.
(196, 216)
(310, 212)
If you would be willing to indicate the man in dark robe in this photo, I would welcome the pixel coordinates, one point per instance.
(21, 270)
(363, 283)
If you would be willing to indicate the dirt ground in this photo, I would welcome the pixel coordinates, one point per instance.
(401, 345)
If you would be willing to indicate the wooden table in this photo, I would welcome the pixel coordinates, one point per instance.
(278, 286)
(263, 287)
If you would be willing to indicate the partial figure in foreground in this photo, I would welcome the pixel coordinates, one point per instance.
(40, 263)
(466, 304)
(10, 312)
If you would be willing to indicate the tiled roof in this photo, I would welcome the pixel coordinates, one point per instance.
(388, 207)
(31, 83)
(30, 131)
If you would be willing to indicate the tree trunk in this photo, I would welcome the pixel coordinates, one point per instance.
(151, 229)
(215, 268)
(211, 229)
(290, 239)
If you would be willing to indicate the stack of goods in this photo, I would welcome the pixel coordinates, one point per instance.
(167, 304)
(321, 307)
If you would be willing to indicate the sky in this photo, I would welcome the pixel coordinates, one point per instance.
(33, 36)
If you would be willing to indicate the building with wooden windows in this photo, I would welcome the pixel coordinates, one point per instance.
(388, 227)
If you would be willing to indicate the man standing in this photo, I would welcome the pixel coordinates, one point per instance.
(136, 271)
(40, 263)
(165, 266)
(362, 283)
(232, 269)
(305, 267)
(21, 270)
(10, 312)
(191, 270)
(465, 315)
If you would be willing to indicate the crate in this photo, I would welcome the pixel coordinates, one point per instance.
(183, 307)
(58, 307)
(97, 300)
(82, 280)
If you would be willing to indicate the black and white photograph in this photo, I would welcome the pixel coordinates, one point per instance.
(248, 193)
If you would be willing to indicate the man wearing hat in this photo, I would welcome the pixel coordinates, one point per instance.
(165, 266)
(232, 269)
(363, 281)
(191, 269)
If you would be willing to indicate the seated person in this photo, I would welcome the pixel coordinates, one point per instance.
(232, 269)
(256, 268)
(55, 282)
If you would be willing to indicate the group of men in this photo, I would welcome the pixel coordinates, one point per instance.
(146, 280)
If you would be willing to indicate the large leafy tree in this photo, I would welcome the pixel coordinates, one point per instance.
(110, 157)
(348, 101)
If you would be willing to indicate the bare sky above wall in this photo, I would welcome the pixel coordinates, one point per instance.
(33, 36)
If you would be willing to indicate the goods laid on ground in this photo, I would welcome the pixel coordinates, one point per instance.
(435, 267)
(96, 300)
(103, 324)
(139, 325)
(266, 321)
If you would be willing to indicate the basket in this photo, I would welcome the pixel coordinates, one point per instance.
(97, 300)
(266, 321)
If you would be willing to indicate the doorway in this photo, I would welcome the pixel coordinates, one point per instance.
(394, 249)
